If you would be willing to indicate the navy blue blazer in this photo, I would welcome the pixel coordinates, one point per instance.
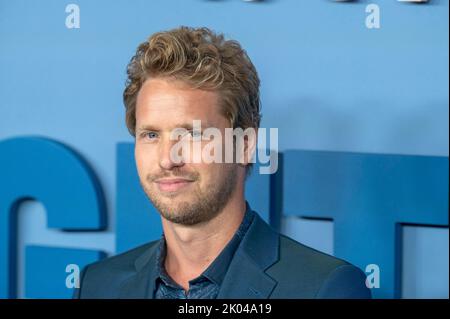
(265, 265)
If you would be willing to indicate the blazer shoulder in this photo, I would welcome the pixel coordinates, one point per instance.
(293, 251)
(123, 261)
(103, 278)
(304, 272)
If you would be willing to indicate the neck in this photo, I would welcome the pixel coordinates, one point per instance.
(191, 249)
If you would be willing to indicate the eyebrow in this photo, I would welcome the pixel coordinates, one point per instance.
(187, 126)
(147, 128)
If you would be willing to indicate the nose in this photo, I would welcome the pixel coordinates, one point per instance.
(168, 157)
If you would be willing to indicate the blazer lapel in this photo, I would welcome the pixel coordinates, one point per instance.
(246, 277)
(141, 285)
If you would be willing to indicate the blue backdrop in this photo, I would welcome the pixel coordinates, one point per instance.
(342, 96)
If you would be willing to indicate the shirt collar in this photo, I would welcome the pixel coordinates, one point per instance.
(218, 268)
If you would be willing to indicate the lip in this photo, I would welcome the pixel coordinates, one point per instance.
(172, 184)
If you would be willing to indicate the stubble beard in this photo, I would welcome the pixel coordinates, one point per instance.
(204, 206)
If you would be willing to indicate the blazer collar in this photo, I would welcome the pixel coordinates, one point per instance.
(245, 278)
(142, 283)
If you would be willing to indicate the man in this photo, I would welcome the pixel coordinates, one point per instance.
(214, 245)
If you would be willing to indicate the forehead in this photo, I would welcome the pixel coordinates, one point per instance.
(167, 103)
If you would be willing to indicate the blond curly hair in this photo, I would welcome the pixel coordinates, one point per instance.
(202, 59)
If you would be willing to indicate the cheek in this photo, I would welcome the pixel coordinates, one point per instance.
(209, 174)
(143, 159)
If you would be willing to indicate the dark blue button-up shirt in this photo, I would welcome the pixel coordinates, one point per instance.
(207, 285)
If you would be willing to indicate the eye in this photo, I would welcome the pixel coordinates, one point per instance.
(196, 134)
(150, 135)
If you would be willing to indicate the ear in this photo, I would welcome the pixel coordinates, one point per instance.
(248, 151)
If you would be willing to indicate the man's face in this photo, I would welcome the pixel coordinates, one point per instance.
(184, 193)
